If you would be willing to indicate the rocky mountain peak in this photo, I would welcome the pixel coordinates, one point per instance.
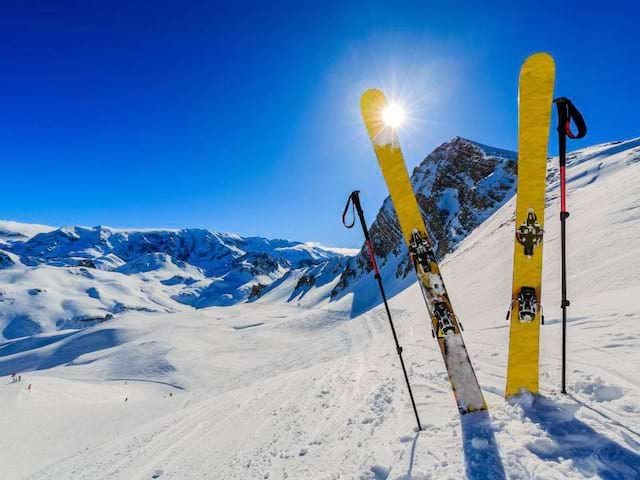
(458, 185)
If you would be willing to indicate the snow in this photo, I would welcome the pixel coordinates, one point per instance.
(26, 229)
(273, 390)
(349, 252)
(11, 231)
(449, 203)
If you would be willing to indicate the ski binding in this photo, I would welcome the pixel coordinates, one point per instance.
(527, 304)
(421, 251)
(443, 315)
(530, 233)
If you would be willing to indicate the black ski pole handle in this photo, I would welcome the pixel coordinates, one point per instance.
(354, 201)
(567, 113)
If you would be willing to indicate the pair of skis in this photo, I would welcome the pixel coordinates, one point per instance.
(535, 100)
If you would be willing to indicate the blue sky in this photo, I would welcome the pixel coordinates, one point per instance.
(243, 116)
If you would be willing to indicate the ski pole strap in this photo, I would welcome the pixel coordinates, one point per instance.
(353, 198)
(567, 113)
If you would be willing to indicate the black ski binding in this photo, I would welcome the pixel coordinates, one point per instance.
(527, 304)
(443, 315)
(421, 251)
(530, 233)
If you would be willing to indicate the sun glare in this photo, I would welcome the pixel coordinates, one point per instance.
(393, 115)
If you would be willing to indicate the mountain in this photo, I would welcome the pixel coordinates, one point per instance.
(458, 186)
(73, 277)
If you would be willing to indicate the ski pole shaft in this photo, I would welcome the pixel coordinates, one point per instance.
(566, 113)
(354, 199)
(563, 246)
(562, 157)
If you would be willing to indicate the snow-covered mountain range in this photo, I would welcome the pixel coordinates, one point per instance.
(52, 279)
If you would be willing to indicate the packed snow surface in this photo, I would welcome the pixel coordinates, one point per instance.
(272, 390)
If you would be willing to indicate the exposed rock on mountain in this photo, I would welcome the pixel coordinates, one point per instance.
(5, 261)
(459, 185)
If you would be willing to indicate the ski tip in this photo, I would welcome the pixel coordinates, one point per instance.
(372, 105)
(372, 96)
(539, 61)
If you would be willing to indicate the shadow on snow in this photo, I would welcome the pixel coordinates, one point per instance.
(591, 452)
(71, 347)
(481, 454)
(32, 343)
(366, 292)
(602, 414)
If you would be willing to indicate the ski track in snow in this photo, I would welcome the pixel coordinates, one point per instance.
(314, 394)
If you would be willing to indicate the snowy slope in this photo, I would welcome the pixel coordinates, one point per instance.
(270, 390)
(11, 231)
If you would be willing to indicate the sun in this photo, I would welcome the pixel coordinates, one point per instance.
(393, 115)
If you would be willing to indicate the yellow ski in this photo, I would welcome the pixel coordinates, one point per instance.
(444, 323)
(534, 117)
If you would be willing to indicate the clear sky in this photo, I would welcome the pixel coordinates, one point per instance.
(243, 116)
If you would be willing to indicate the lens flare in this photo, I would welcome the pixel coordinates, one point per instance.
(393, 115)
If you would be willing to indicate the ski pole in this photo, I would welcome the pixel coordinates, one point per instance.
(354, 201)
(566, 113)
